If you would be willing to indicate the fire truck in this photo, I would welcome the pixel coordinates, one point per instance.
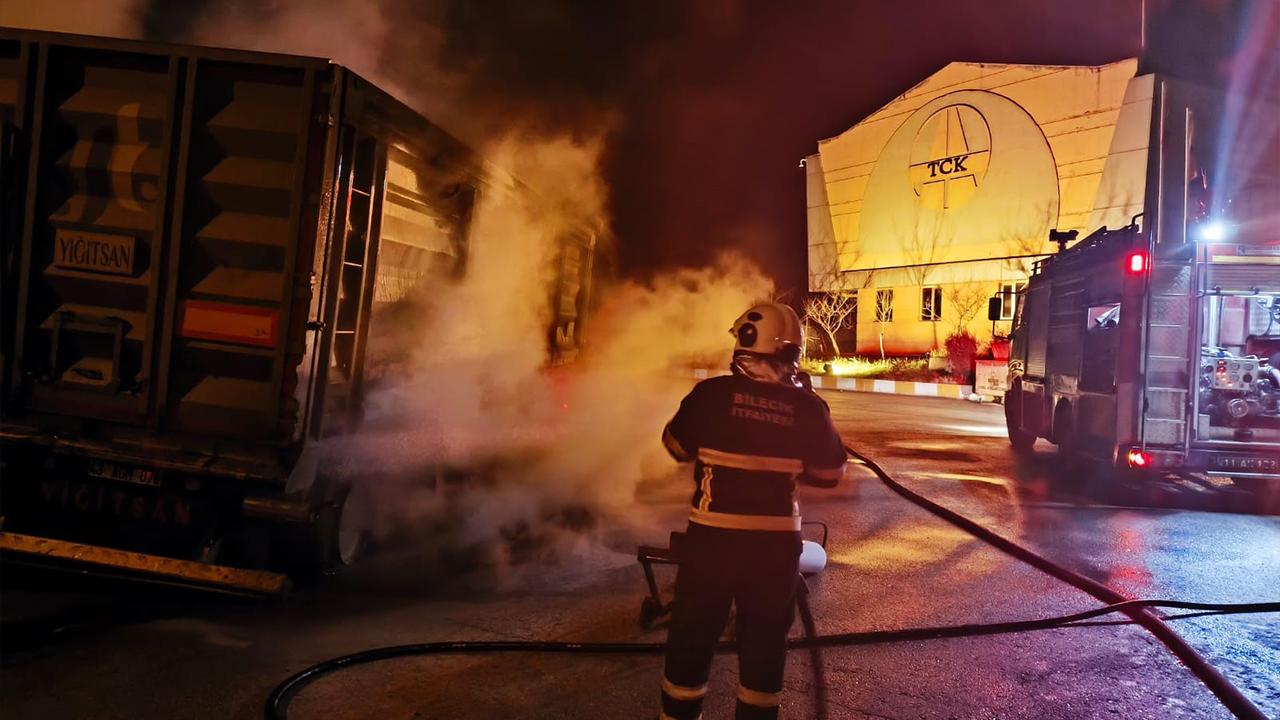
(202, 252)
(1156, 346)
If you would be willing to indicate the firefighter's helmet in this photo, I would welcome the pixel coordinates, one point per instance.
(769, 329)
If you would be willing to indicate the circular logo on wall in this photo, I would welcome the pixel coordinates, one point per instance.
(949, 157)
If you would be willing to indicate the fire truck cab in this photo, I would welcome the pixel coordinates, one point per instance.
(1157, 345)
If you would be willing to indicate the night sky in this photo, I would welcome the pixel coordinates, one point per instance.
(706, 106)
(709, 158)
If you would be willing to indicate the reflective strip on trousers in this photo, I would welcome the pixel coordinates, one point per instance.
(681, 692)
(759, 699)
(731, 521)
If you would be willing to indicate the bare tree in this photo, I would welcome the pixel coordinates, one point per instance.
(1024, 254)
(922, 249)
(831, 312)
(1025, 251)
(965, 300)
(884, 314)
(833, 301)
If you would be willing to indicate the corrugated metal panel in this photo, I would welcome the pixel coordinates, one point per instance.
(14, 70)
(221, 255)
(1243, 277)
(11, 80)
(243, 164)
(95, 234)
(420, 235)
(1037, 326)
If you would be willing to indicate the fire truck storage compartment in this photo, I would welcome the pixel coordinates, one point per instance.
(1238, 395)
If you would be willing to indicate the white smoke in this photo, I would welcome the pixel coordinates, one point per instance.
(545, 449)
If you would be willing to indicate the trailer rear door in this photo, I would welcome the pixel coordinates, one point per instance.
(93, 230)
(170, 196)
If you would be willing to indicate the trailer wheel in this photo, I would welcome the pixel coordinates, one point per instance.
(334, 537)
(352, 530)
(1021, 440)
(1064, 436)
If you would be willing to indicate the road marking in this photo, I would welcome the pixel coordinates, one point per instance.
(984, 430)
(1060, 505)
(968, 478)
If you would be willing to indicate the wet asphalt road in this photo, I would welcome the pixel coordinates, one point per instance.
(892, 566)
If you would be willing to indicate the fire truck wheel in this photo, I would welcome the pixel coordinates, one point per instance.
(1064, 436)
(1021, 441)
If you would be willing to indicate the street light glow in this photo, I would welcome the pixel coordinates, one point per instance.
(1215, 231)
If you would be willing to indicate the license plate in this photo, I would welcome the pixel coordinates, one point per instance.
(1250, 464)
(123, 473)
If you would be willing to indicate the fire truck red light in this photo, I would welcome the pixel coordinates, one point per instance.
(1137, 262)
(1139, 459)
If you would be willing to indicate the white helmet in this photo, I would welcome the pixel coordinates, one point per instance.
(769, 329)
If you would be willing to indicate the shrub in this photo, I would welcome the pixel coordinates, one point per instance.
(812, 366)
(962, 349)
(869, 367)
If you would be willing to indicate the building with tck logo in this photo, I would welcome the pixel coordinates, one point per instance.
(946, 196)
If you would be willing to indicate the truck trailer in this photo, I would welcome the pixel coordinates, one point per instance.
(198, 244)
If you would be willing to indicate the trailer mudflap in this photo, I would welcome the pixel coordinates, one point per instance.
(140, 566)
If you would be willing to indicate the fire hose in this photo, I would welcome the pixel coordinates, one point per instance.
(1138, 610)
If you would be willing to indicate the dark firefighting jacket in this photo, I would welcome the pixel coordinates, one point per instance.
(751, 442)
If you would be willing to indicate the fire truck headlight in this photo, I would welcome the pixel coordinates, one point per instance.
(1215, 231)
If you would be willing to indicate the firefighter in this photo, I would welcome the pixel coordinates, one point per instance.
(751, 435)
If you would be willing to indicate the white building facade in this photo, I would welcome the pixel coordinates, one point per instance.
(946, 196)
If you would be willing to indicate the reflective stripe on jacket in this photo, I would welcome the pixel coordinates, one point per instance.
(750, 441)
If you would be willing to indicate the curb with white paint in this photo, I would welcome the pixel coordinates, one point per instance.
(850, 384)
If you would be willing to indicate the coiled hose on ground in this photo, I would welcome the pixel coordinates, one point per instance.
(1139, 610)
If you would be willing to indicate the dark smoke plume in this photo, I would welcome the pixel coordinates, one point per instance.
(549, 66)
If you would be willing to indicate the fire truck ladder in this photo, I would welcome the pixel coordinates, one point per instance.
(1169, 362)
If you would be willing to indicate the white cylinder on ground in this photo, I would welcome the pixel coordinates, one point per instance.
(813, 558)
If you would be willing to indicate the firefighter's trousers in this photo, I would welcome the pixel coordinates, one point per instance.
(754, 570)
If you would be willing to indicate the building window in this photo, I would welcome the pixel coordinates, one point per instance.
(931, 304)
(1009, 299)
(884, 306)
